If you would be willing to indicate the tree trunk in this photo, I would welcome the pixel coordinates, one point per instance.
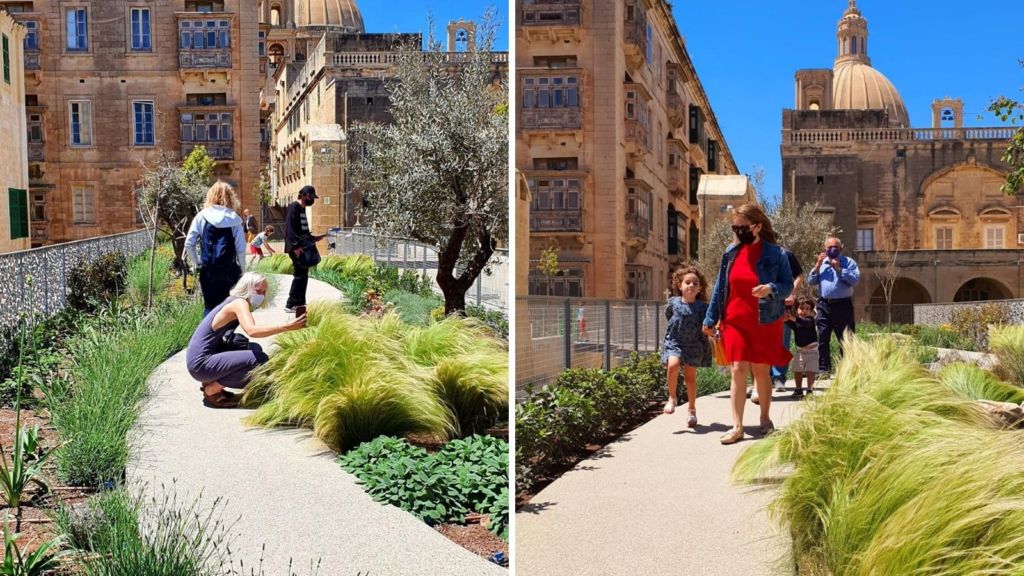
(454, 289)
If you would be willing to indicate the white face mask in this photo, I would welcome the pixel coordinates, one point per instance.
(255, 301)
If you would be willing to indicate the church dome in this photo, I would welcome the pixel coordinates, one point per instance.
(336, 13)
(858, 86)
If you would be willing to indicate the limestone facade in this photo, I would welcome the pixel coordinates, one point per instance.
(613, 133)
(932, 193)
(313, 100)
(113, 86)
(14, 204)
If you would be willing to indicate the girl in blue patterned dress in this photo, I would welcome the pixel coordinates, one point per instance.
(685, 342)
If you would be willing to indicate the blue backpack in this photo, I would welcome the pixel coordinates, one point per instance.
(217, 247)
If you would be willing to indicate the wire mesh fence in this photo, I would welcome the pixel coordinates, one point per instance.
(490, 290)
(555, 334)
(33, 283)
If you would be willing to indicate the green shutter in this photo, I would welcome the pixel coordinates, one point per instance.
(18, 204)
(7, 61)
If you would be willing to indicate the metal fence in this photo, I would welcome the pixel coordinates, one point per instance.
(33, 282)
(490, 290)
(554, 334)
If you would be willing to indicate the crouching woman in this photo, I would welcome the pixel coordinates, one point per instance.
(213, 363)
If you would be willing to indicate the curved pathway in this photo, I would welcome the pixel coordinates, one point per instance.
(283, 486)
(658, 501)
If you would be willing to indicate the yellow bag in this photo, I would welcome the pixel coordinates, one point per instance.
(718, 349)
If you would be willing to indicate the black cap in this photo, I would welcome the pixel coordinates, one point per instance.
(308, 191)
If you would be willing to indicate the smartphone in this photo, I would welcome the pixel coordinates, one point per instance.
(299, 311)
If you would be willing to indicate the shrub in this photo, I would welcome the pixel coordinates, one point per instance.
(464, 476)
(413, 308)
(972, 322)
(354, 378)
(942, 338)
(137, 275)
(895, 472)
(94, 284)
(711, 381)
(496, 319)
(1007, 343)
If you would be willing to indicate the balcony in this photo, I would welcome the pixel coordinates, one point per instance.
(677, 113)
(552, 20)
(636, 138)
(210, 58)
(635, 45)
(545, 119)
(205, 41)
(556, 221)
(32, 60)
(35, 152)
(638, 228)
(223, 150)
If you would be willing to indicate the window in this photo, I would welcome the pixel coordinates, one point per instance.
(204, 34)
(206, 127)
(943, 237)
(143, 121)
(264, 133)
(7, 59)
(568, 163)
(673, 231)
(263, 43)
(18, 204)
(31, 35)
(694, 183)
(853, 45)
(696, 124)
(35, 128)
(649, 49)
(555, 194)
(994, 237)
(81, 122)
(638, 282)
(567, 282)
(77, 30)
(712, 156)
(141, 32)
(694, 241)
(38, 208)
(866, 239)
(551, 92)
(275, 16)
(204, 6)
(213, 99)
(83, 200)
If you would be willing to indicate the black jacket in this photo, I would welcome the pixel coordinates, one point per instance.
(296, 227)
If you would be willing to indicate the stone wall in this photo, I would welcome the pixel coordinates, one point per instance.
(939, 314)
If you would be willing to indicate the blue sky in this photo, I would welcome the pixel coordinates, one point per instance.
(747, 51)
(411, 16)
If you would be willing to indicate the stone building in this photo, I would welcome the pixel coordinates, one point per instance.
(113, 86)
(14, 206)
(328, 74)
(613, 133)
(931, 195)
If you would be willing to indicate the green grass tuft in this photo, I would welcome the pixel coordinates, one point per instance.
(1007, 343)
(274, 264)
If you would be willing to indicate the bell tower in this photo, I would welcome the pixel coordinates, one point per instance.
(461, 35)
(853, 37)
(948, 110)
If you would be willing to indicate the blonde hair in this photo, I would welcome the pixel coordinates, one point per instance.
(222, 194)
(246, 285)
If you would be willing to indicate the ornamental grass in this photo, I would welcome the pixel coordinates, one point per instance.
(1007, 343)
(351, 266)
(353, 378)
(895, 471)
(274, 264)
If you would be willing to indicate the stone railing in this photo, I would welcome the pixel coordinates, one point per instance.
(204, 58)
(897, 135)
(391, 58)
(945, 258)
(552, 13)
(556, 221)
(551, 118)
(33, 282)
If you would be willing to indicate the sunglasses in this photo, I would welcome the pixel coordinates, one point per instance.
(738, 229)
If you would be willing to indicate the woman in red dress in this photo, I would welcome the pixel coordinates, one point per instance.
(747, 305)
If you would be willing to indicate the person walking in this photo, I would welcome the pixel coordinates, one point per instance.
(299, 239)
(259, 242)
(746, 311)
(685, 346)
(251, 228)
(779, 372)
(218, 369)
(217, 232)
(835, 275)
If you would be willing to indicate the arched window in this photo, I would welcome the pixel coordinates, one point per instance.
(461, 40)
(276, 54)
(853, 47)
(814, 105)
(275, 16)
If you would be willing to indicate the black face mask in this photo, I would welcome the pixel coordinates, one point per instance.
(308, 201)
(744, 234)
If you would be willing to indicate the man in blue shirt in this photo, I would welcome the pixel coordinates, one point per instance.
(835, 275)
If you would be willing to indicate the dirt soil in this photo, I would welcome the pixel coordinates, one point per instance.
(475, 538)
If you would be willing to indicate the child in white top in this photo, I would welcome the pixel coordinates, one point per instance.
(261, 240)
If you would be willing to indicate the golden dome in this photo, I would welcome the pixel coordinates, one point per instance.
(857, 86)
(338, 13)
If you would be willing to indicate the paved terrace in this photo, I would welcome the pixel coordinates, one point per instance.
(283, 486)
(658, 501)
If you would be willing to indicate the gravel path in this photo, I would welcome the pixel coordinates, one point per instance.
(658, 501)
(283, 486)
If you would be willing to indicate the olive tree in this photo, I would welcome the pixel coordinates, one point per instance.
(439, 172)
(1010, 110)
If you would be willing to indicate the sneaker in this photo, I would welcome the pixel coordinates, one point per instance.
(798, 393)
(289, 309)
(749, 390)
(754, 397)
(780, 384)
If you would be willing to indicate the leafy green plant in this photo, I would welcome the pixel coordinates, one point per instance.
(413, 308)
(91, 285)
(972, 322)
(496, 319)
(25, 468)
(464, 476)
(1007, 343)
(41, 561)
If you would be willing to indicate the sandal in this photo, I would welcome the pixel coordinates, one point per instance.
(767, 427)
(222, 399)
(691, 422)
(670, 407)
(732, 437)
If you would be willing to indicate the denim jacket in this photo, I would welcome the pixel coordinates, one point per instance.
(772, 269)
